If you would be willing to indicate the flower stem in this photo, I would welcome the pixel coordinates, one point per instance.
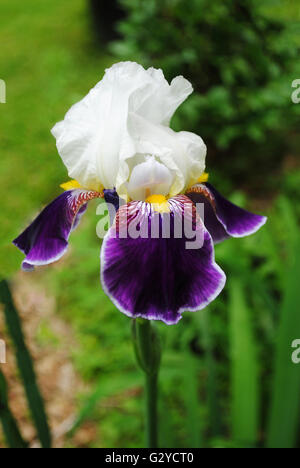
(151, 411)
(148, 354)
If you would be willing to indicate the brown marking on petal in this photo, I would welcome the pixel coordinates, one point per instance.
(187, 206)
(203, 190)
(136, 211)
(82, 198)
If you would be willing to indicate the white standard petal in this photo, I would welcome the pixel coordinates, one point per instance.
(90, 138)
(149, 178)
(160, 106)
(93, 140)
(195, 151)
(124, 119)
(182, 153)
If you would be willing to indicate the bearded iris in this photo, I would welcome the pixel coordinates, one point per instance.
(117, 144)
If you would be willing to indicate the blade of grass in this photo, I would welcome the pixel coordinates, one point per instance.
(244, 369)
(167, 434)
(11, 430)
(211, 368)
(192, 402)
(25, 365)
(285, 405)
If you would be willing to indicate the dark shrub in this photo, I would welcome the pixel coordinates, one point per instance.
(241, 63)
(105, 16)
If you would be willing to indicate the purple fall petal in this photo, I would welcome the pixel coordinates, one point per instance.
(46, 239)
(159, 278)
(222, 218)
(78, 217)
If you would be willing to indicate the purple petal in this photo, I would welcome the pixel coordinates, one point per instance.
(27, 267)
(46, 239)
(111, 197)
(158, 278)
(113, 201)
(222, 218)
(78, 217)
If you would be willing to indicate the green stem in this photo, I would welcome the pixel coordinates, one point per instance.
(151, 410)
(148, 353)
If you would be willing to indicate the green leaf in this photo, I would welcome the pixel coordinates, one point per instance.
(211, 368)
(25, 365)
(285, 406)
(10, 427)
(190, 376)
(244, 369)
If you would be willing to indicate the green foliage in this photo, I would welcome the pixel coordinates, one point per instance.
(25, 365)
(238, 98)
(190, 381)
(241, 62)
(217, 367)
(244, 369)
(214, 412)
(10, 427)
(285, 407)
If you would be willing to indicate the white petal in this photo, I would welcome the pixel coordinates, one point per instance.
(161, 105)
(149, 178)
(195, 151)
(89, 139)
(123, 119)
(182, 153)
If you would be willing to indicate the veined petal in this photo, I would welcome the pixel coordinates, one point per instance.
(46, 239)
(149, 178)
(121, 122)
(182, 153)
(160, 105)
(222, 218)
(153, 274)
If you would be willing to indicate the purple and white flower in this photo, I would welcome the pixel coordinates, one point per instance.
(117, 144)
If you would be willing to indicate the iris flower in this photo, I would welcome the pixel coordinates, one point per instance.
(117, 144)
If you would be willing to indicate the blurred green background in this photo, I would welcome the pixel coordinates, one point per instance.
(227, 377)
